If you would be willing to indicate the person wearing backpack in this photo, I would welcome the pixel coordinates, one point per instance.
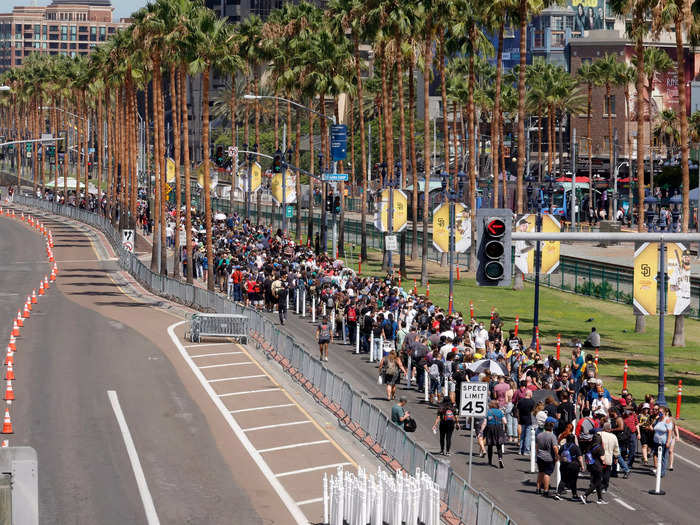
(494, 430)
(435, 370)
(566, 413)
(389, 368)
(570, 464)
(446, 421)
(324, 336)
(351, 320)
(594, 463)
(585, 431)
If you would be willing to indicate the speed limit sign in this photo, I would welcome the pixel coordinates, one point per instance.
(473, 399)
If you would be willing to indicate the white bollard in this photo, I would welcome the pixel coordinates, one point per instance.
(296, 296)
(303, 304)
(557, 476)
(287, 302)
(425, 383)
(345, 339)
(408, 372)
(532, 449)
(313, 309)
(657, 489)
(332, 321)
(357, 338)
(380, 354)
(324, 309)
(325, 498)
(444, 386)
(371, 347)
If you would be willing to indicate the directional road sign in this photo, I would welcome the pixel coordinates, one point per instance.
(335, 177)
(339, 142)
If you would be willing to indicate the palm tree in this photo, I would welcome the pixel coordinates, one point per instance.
(587, 74)
(606, 72)
(625, 76)
(636, 31)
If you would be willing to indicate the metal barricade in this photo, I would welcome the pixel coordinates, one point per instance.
(218, 325)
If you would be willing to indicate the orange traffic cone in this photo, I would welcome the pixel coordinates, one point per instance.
(15, 329)
(9, 393)
(9, 373)
(53, 275)
(7, 423)
(11, 345)
(41, 287)
(9, 357)
(22, 215)
(28, 304)
(33, 296)
(46, 282)
(5, 443)
(51, 257)
(55, 268)
(20, 321)
(26, 313)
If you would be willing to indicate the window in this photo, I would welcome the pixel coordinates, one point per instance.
(64, 32)
(53, 28)
(102, 33)
(93, 34)
(609, 107)
(73, 31)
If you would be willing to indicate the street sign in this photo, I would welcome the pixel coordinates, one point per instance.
(335, 177)
(525, 250)
(339, 142)
(290, 212)
(399, 214)
(441, 228)
(128, 240)
(232, 151)
(473, 399)
(391, 243)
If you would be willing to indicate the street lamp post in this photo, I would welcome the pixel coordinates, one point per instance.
(452, 197)
(615, 195)
(539, 201)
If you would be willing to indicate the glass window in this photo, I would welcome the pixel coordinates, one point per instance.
(609, 108)
(102, 32)
(73, 31)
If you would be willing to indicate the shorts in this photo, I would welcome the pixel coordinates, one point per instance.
(451, 386)
(391, 379)
(545, 467)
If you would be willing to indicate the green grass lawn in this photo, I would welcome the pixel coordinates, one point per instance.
(566, 314)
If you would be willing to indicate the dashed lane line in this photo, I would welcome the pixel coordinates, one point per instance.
(311, 469)
(292, 507)
(227, 364)
(295, 445)
(268, 407)
(238, 377)
(689, 462)
(146, 499)
(310, 501)
(260, 390)
(212, 355)
(627, 506)
(205, 344)
(266, 427)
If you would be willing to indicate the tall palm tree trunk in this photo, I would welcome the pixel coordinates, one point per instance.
(590, 144)
(297, 161)
(156, 166)
(207, 182)
(427, 66)
(363, 149)
(178, 173)
(443, 95)
(234, 141)
(186, 162)
(495, 133)
(611, 147)
(521, 106)
(312, 168)
(161, 161)
(639, 50)
(258, 197)
(472, 161)
(414, 161)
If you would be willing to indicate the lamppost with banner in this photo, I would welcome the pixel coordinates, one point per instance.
(452, 197)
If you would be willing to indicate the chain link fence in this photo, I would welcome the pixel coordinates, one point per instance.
(464, 504)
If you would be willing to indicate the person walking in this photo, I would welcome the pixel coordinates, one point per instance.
(662, 438)
(494, 430)
(525, 407)
(446, 421)
(282, 294)
(570, 464)
(594, 461)
(389, 369)
(547, 455)
(324, 336)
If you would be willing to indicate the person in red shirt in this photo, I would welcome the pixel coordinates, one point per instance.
(630, 420)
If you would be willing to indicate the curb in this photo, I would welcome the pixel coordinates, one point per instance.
(687, 435)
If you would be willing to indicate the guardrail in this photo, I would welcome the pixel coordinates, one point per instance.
(463, 504)
(218, 325)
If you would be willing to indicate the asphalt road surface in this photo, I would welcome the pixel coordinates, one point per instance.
(513, 489)
(85, 338)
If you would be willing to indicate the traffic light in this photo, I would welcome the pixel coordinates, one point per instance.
(277, 162)
(219, 158)
(329, 203)
(336, 204)
(494, 226)
(29, 147)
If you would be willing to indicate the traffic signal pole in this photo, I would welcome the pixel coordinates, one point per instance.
(538, 264)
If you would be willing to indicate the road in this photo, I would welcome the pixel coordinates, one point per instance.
(513, 489)
(95, 332)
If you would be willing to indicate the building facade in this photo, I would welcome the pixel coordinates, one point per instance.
(65, 27)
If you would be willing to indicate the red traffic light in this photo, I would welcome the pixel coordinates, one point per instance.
(496, 227)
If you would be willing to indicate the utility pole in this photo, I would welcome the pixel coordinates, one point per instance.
(573, 180)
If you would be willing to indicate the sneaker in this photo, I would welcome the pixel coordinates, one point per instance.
(626, 475)
(556, 497)
(604, 491)
(601, 502)
(538, 491)
(500, 463)
(447, 453)
(583, 499)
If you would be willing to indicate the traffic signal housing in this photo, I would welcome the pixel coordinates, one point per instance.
(336, 204)
(329, 203)
(493, 233)
(277, 163)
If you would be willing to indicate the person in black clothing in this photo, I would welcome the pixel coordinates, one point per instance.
(446, 420)
(282, 301)
(570, 464)
(366, 329)
(524, 407)
(594, 460)
(565, 413)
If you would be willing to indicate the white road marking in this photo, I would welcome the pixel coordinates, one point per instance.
(310, 501)
(149, 507)
(687, 460)
(239, 377)
(296, 445)
(265, 427)
(205, 344)
(268, 407)
(227, 364)
(628, 507)
(250, 392)
(293, 508)
(311, 469)
(210, 355)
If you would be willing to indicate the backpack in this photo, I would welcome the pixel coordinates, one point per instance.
(352, 315)
(449, 415)
(564, 418)
(566, 453)
(391, 368)
(409, 425)
(491, 418)
(434, 371)
(587, 430)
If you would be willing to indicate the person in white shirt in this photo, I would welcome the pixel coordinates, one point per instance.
(480, 336)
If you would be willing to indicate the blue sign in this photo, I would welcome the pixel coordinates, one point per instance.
(335, 177)
(339, 142)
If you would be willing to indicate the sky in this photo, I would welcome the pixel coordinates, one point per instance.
(122, 8)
